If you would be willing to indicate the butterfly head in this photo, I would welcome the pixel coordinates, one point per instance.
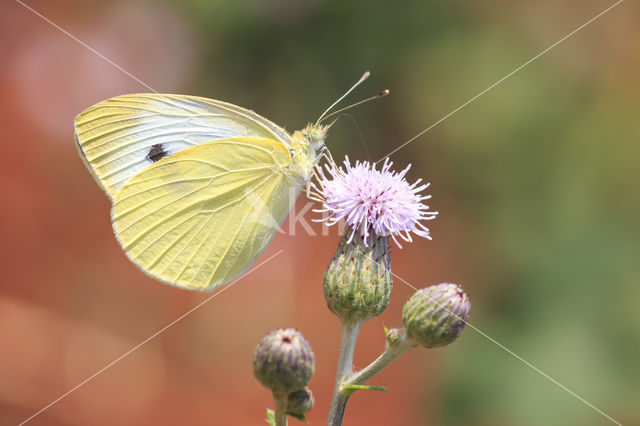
(307, 145)
(315, 134)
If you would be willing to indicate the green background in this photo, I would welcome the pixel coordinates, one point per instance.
(535, 183)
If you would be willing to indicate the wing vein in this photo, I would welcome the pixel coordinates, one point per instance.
(132, 241)
(238, 201)
(170, 246)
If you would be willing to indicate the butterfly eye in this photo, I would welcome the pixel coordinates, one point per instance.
(317, 135)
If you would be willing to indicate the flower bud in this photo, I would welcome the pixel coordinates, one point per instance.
(283, 361)
(357, 283)
(300, 402)
(435, 316)
(395, 335)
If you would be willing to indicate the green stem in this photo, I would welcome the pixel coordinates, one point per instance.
(346, 376)
(280, 400)
(387, 357)
(337, 411)
(350, 333)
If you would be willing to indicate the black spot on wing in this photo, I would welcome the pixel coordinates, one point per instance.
(156, 153)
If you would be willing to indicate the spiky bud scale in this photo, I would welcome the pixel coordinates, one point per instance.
(357, 284)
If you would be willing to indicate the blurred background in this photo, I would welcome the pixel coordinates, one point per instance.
(535, 181)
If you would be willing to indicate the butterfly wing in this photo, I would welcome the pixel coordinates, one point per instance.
(198, 218)
(119, 137)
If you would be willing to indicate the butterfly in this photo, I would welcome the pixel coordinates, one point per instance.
(199, 187)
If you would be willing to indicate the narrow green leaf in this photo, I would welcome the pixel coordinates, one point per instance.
(365, 387)
(271, 417)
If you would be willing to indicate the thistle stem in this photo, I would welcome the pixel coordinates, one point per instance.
(347, 377)
(280, 400)
(350, 333)
(337, 410)
(387, 357)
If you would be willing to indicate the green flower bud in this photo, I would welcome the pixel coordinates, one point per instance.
(435, 316)
(283, 361)
(395, 335)
(357, 283)
(300, 402)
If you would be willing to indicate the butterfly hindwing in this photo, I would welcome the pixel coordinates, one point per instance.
(119, 137)
(199, 217)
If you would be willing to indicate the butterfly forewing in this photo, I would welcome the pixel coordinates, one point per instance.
(198, 218)
(119, 137)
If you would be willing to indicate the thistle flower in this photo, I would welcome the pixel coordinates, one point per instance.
(283, 361)
(374, 201)
(436, 315)
(376, 205)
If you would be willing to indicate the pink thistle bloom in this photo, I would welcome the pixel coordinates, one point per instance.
(373, 201)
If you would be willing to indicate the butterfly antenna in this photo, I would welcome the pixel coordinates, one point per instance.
(363, 78)
(382, 94)
(364, 143)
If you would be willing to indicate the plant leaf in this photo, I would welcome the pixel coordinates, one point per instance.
(365, 387)
(271, 417)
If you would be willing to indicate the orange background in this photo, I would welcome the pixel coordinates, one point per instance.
(523, 178)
